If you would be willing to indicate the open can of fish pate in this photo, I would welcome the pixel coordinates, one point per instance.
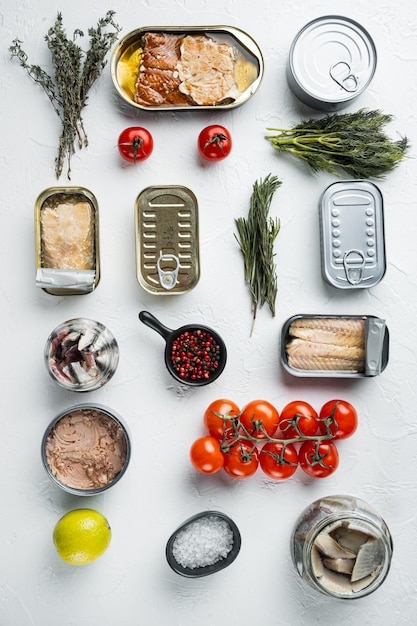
(331, 62)
(67, 241)
(184, 68)
(86, 449)
(334, 346)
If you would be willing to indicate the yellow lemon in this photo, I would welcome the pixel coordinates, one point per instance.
(81, 536)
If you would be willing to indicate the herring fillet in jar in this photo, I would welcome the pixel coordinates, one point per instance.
(342, 547)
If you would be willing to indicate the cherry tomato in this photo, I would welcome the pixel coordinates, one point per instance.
(318, 459)
(214, 143)
(297, 418)
(277, 460)
(259, 416)
(215, 425)
(135, 144)
(341, 418)
(206, 456)
(241, 460)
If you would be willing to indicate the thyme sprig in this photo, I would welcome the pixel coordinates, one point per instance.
(74, 73)
(353, 142)
(256, 236)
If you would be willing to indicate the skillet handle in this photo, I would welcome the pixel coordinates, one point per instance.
(150, 320)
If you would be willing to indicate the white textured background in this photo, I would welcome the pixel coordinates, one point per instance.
(132, 583)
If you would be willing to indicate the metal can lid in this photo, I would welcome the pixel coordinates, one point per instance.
(352, 234)
(333, 59)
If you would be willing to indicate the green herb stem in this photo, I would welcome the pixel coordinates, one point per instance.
(74, 73)
(353, 142)
(256, 235)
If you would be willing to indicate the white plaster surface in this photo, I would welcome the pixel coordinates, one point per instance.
(132, 583)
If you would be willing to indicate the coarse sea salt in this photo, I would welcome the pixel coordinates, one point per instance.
(203, 542)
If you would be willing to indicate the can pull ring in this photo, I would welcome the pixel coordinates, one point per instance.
(354, 264)
(341, 73)
(168, 279)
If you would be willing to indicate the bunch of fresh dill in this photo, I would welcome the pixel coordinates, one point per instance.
(256, 236)
(75, 71)
(353, 142)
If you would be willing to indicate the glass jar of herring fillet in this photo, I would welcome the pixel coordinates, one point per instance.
(342, 547)
(339, 346)
(185, 68)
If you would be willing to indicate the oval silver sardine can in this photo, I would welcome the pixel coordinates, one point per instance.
(167, 240)
(67, 241)
(352, 238)
(334, 346)
(331, 62)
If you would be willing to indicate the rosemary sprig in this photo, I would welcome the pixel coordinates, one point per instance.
(256, 236)
(353, 142)
(75, 71)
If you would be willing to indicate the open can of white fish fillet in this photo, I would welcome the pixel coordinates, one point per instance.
(160, 68)
(334, 346)
(67, 241)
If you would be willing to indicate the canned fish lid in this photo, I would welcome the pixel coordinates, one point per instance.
(352, 234)
(167, 239)
(332, 60)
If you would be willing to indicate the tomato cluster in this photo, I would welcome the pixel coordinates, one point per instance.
(239, 441)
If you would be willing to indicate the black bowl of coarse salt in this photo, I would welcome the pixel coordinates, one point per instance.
(204, 544)
(194, 354)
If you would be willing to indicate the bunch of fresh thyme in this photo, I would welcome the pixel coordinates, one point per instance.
(353, 142)
(68, 88)
(256, 236)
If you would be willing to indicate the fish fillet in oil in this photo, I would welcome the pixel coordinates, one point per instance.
(67, 236)
(329, 364)
(185, 70)
(206, 69)
(327, 344)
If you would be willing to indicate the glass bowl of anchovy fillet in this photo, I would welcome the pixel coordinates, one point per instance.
(81, 354)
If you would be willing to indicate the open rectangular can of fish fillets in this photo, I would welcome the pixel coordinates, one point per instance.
(67, 241)
(334, 346)
(183, 68)
(167, 240)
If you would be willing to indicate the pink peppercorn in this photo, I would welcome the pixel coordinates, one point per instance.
(195, 355)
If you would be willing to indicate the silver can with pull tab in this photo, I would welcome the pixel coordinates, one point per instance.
(331, 62)
(352, 234)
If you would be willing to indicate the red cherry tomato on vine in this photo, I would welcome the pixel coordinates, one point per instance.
(135, 144)
(241, 460)
(278, 461)
(318, 459)
(214, 143)
(260, 415)
(206, 456)
(214, 424)
(341, 418)
(301, 415)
